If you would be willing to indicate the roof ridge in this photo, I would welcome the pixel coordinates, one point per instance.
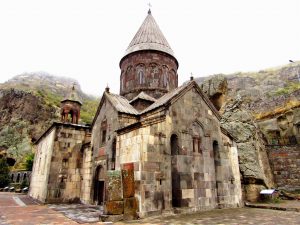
(143, 95)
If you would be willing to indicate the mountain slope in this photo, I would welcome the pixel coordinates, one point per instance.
(29, 103)
(267, 92)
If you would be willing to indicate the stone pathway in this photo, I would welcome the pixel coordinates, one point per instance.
(226, 217)
(78, 212)
(31, 213)
(13, 212)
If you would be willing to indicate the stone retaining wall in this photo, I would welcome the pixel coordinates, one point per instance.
(285, 163)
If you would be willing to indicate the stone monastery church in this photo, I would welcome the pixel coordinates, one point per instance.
(150, 149)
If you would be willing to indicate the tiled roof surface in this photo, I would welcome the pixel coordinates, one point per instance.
(149, 37)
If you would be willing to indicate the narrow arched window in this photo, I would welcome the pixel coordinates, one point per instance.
(140, 73)
(113, 154)
(164, 79)
(103, 131)
(141, 76)
(18, 178)
(174, 145)
(216, 153)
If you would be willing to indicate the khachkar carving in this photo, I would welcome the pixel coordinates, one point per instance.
(70, 108)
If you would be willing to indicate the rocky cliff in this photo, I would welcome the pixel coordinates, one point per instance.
(258, 109)
(254, 164)
(29, 103)
(265, 93)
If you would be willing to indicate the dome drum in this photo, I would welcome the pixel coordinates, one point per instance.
(150, 71)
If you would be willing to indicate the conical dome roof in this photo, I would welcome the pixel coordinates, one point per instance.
(149, 37)
(72, 96)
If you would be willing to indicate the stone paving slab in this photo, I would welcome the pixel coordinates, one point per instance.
(238, 216)
(13, 214)
(78, 212)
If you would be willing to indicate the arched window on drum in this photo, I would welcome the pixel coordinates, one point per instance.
(197, 136)
(140, 72)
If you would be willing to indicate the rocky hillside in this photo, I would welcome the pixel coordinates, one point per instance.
(29, 103)
(265, 93)
(258, 109)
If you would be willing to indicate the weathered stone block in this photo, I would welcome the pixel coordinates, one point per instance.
(188, 193)
(130, 206)
(111, 218)
(114, 207)
(150, 166)
(114, 185)
(128, 182)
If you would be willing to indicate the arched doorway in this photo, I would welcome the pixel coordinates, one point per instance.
(99, 186)
(18, 178)
(176, 192)
(24, 176)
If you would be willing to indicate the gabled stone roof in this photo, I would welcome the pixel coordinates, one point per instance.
(143, 96)
(120, 103)
(165, 98)
(149, 37)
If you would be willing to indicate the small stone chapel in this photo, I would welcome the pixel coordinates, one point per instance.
(154, 147)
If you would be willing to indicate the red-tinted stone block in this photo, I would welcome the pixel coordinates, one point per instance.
(114, 207)
(128, 166)
(128, 183)
(101, 152)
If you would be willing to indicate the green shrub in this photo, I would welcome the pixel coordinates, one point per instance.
(4, 173)
(29, 161)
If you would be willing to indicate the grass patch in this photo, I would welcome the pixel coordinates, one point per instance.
(291, 87)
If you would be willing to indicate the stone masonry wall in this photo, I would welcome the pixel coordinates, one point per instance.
(87, 176)
(187, 177)
(41, 167)
(64, 183)
(100, 150)
(285, 163)
(233, 167)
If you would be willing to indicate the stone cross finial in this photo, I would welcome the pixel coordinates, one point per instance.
(149, 11)
(192, 77)
(107, 88)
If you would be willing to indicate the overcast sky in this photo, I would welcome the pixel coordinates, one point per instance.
(86, 39)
